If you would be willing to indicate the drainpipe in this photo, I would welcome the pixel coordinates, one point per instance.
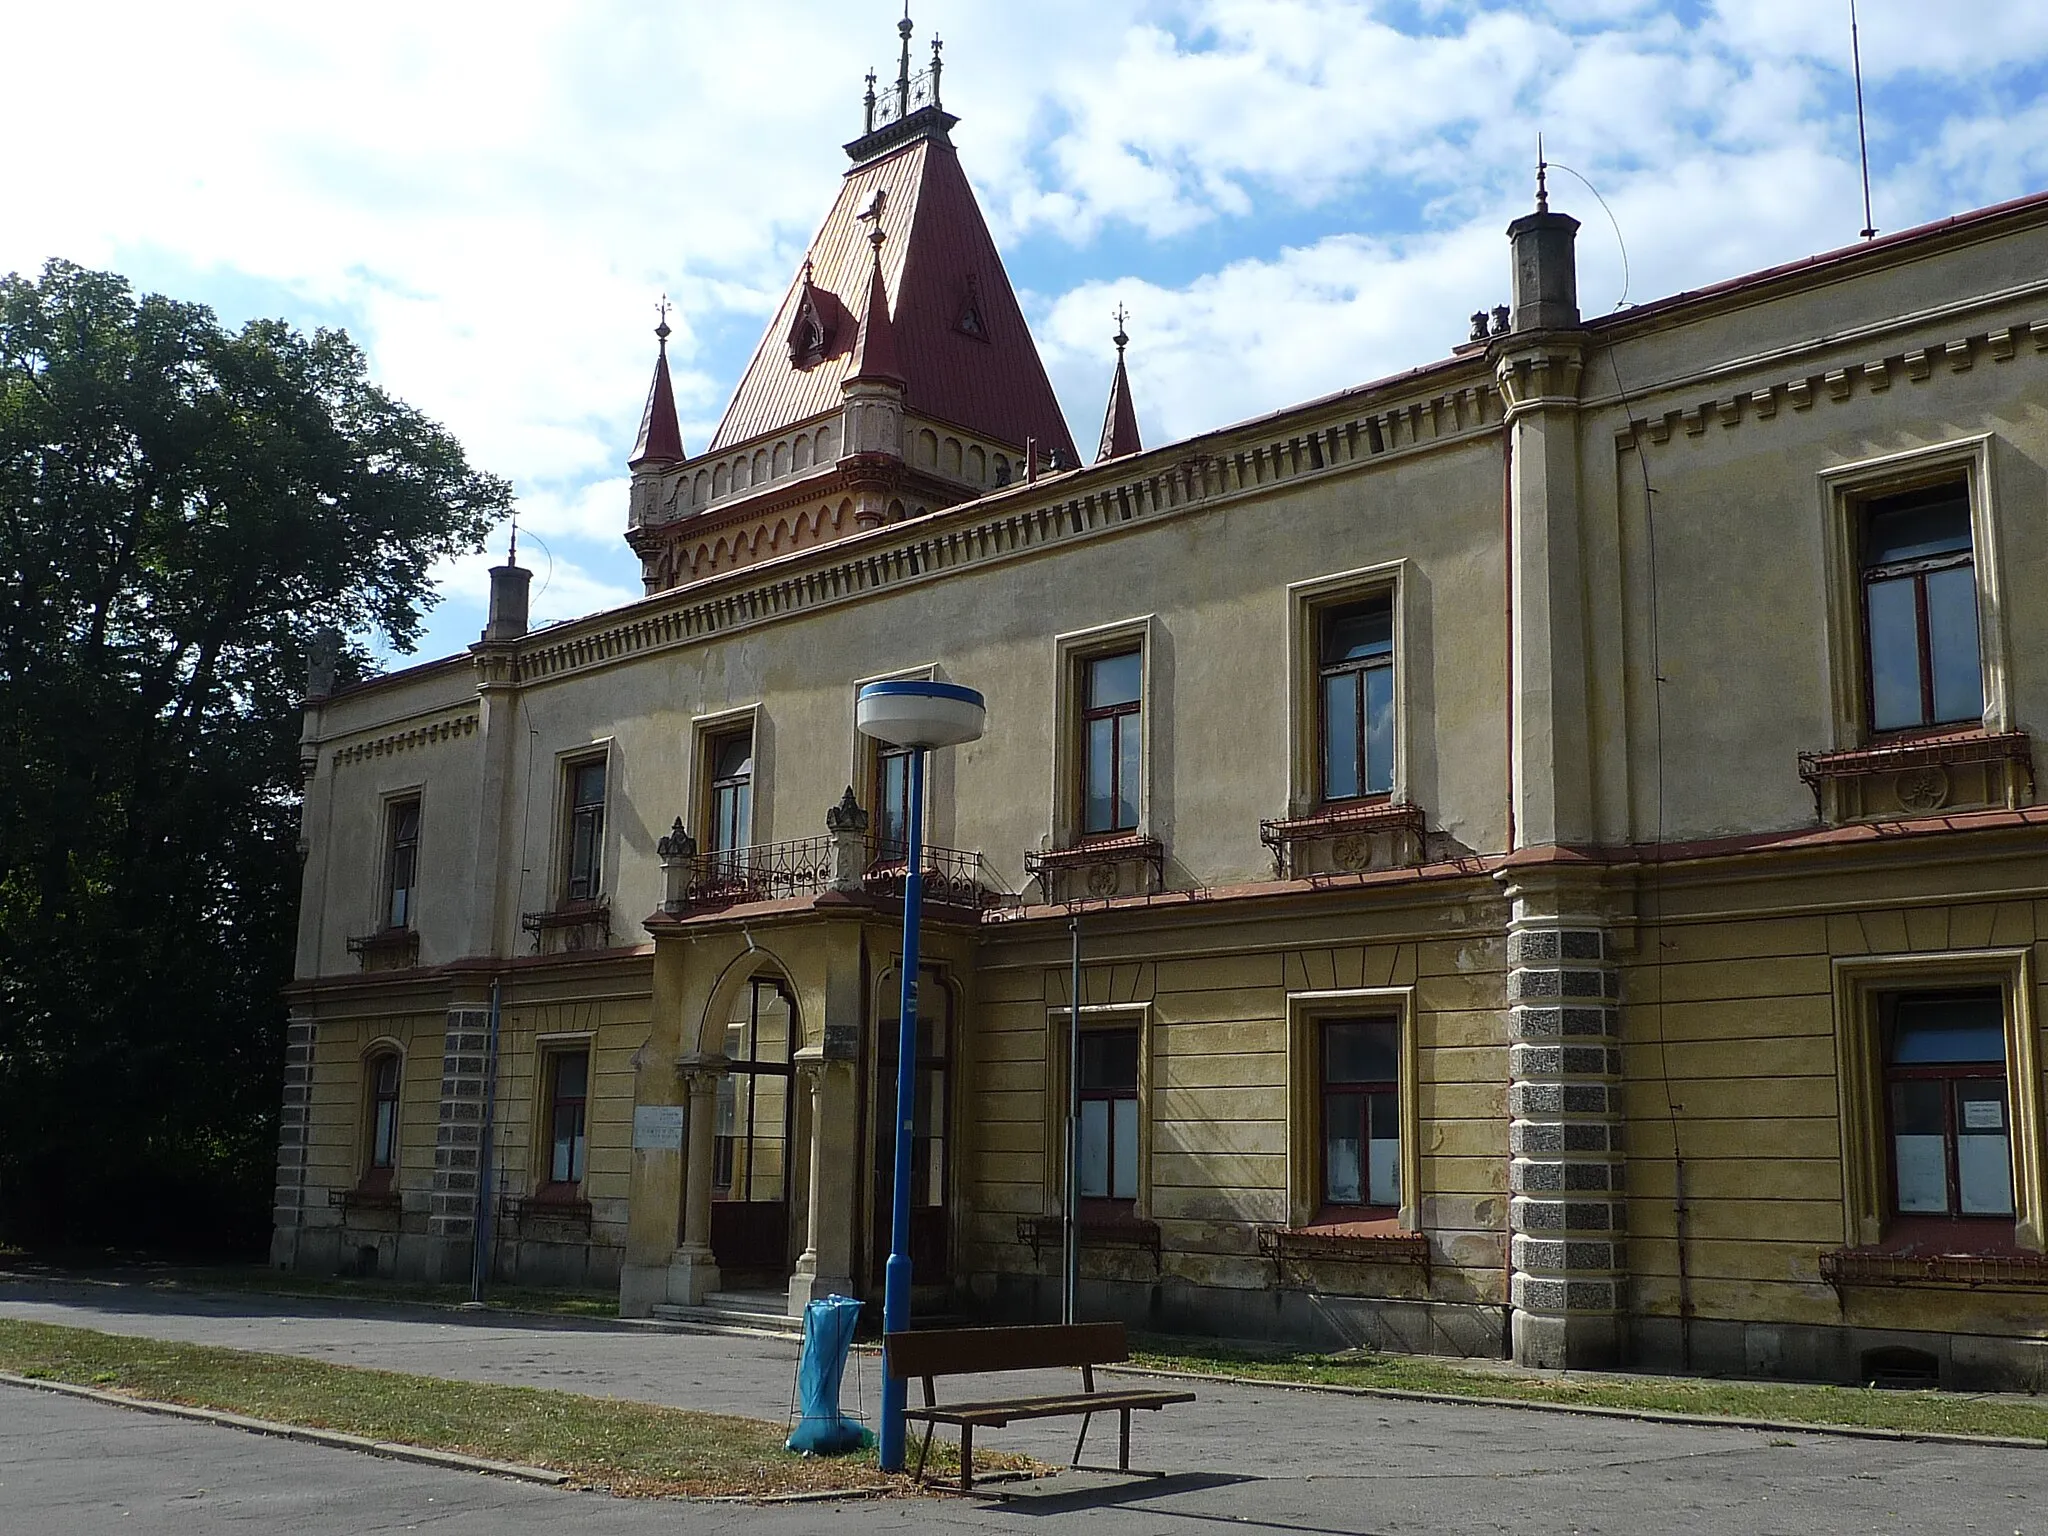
(1070, 1278)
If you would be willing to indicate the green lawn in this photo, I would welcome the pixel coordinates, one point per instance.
(631, 1448)
(515, 1298)
(1919, 1412)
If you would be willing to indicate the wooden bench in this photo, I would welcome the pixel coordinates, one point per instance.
(935, 1352)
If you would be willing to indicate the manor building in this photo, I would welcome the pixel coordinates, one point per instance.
(1551, 836)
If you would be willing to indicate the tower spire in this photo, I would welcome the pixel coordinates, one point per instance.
(1120, 421)
(661, 434)
(874, 360)
(903, 68)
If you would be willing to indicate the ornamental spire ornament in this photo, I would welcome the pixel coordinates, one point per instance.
(1120, 421)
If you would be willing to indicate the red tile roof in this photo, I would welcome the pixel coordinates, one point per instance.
(945, 282)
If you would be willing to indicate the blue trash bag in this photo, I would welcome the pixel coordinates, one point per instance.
(828, 1337)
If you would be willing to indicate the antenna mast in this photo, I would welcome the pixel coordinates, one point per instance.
(1862, 139)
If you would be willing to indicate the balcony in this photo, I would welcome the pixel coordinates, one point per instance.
(388, 949)
(811, 867)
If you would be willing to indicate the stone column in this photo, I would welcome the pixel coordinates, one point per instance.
(458, 1143)
(826, 1267)
(288, 1204)
(693, 1272)
(1566, 1212)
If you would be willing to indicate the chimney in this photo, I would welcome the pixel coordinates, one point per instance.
(509, 583)
(1546, 266)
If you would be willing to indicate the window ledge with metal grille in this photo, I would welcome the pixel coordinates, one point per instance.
(1358, 1243)
(1100, 867)
(546, 1209)
(364, 1199)
(1345, 839)
(1043, 1233)
(1922, 775)
(388, 949)
(1846, 1267)
(572, 926)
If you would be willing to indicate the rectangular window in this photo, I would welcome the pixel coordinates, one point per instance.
(731, 819)
(1923, 664)
(1355, 698)
(383, 1113)
(1109, 1115)
(568, 1099)
(1945, 1099)
(1112, 742)
(401, 863)
(586, 830)
(1360, 1083)
(892, 803)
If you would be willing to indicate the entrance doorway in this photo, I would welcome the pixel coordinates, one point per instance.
(750, 1169)
(931, 1130)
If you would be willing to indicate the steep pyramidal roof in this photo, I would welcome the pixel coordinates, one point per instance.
(961, 345)
(1120, 421)
(661, 432)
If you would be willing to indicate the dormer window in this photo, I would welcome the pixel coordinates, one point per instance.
(809, 336)
(970, 322)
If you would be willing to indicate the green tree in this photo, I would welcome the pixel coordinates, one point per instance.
(185, 510)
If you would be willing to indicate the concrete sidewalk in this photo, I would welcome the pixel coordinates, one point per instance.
(1267, 1457)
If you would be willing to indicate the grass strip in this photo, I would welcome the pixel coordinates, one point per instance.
(511, 1298)
(1858, 1407)
(635, 1449)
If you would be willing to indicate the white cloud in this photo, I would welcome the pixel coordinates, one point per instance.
(1292, 195)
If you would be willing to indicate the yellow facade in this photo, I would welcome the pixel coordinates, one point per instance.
(1643, 882)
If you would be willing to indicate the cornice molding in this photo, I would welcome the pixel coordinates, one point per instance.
(1801, 393)
(1022, 519)
(433, 734)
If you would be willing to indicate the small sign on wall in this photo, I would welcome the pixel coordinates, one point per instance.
(658, 1128)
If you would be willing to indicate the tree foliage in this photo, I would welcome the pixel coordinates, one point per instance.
(185, 511)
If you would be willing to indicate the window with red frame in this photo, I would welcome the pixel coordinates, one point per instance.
(383, 1075)
(1112, 742)
(1361, 1089)
(1920, 611)
(1945, 1097)
(1109, 1116)
(568, 1101)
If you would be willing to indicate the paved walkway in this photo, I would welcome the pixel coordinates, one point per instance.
(1255, 1458)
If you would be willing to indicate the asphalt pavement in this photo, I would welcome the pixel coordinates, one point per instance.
(1249, 1457)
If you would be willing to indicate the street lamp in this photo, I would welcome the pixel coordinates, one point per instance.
(920, 716)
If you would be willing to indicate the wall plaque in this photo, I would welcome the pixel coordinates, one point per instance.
(658, 1128)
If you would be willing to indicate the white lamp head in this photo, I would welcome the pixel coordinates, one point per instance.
(920, 714)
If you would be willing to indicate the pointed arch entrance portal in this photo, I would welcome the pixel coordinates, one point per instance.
(750, 1165)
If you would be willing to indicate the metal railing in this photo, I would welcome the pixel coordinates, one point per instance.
(894, 103)
(785, 871)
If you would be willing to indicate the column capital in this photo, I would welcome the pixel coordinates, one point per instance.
(702, 1069)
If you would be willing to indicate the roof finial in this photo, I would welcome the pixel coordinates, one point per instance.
(512, 551)
(937, 65)
(661, 331)
(1120, 338)
(1542, 178)
(903, 67)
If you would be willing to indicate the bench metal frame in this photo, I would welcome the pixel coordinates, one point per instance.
(928, 1354)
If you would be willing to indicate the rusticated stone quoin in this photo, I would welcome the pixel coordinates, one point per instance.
(1566, 1212)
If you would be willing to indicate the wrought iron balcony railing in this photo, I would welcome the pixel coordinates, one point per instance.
(805, 867)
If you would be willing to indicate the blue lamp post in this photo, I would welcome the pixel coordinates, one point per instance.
(920, 716)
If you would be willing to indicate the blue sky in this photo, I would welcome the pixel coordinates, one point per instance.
(1290, 195)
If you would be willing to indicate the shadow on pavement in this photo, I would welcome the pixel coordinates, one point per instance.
(1070, 1491)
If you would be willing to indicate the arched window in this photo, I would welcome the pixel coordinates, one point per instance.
(383, 1077)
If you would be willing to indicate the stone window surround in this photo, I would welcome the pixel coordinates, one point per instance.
(1843, 491)
(1306, 601)
(1059, 1022)
(567, 760)
(546, 1049)
(1071, 650)
(1306, 1012)
(704, 730)
(1857, 982)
